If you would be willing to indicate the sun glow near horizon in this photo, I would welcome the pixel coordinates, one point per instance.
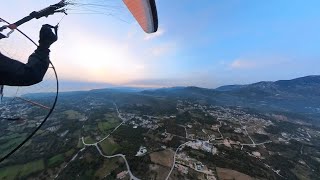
(218, 43)
(97, 59)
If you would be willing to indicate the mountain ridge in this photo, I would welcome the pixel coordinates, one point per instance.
(301, 95)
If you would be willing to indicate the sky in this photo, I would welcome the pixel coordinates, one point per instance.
(205, 43)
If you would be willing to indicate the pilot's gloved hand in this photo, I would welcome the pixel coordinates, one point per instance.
(47, 36)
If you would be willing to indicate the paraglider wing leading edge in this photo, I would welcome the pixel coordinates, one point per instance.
(145, 12)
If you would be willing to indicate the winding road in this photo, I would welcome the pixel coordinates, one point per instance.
(174, 159)
(132, 177)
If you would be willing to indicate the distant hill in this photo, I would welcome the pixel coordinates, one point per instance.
(121, 89)
(230, 87)
(191, 92)
(305, 86)
(300, 95)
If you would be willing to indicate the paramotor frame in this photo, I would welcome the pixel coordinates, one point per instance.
(49, 109)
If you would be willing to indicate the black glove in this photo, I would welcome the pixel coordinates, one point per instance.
(47, 36)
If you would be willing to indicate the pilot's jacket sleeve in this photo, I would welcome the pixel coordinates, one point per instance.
(15, 73)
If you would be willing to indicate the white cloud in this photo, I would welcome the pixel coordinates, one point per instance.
(155, 35)
(107, 59)
(163, 49)
(258, 62)
(243, 64)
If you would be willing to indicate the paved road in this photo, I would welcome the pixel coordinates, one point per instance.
(103, 138)
(174, 159)
(221, 136)
(73, 158)
(132, 177)
(245, 128)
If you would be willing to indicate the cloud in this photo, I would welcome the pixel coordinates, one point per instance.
(159, 82)
(259, 62)
(155, 35)
(98, 58)
(163, 49)
(191, 78)
(243, 64)
(103, 58)
(145, 46)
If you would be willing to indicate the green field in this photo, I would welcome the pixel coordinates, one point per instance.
(55, 160)
(10, 172)
(80, 144)
(108, 166)
(104, 126)
(73, 115)
(109, 147)
(70, 152)
(10, 144)
(20, 171)
(111, 116)
(87, 128)
(12, 136)
(89, 140)
(111, 121)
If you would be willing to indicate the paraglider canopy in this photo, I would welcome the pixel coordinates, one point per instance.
(145, 12)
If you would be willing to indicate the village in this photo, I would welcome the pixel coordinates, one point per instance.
(184, 141)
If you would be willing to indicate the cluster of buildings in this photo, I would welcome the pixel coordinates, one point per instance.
(300, 135)
(53, 128)
(145, 121)
(183, 106)
(14, 110)
(201, 145)
(183, 162)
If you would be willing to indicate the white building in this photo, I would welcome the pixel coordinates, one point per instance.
(142, 151)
